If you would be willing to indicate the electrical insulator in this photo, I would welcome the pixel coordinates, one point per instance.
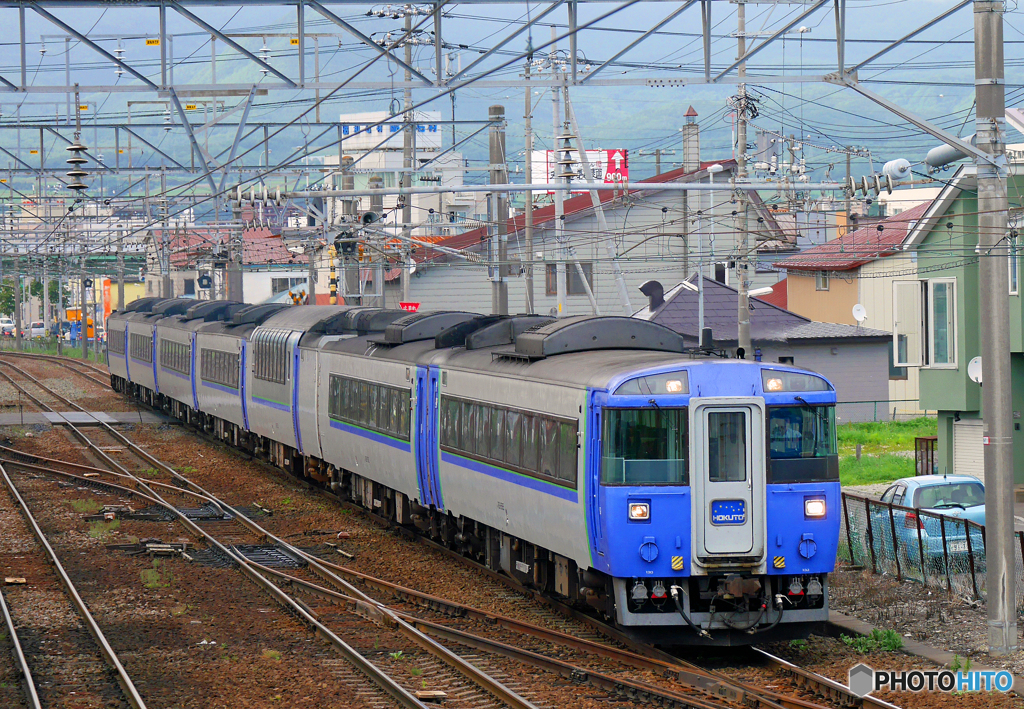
(360, 253)
(76, 161)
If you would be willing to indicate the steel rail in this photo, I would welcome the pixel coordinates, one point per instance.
(462, 666)
(61, 361)
(19, 658)
(828, 688)
(125, 682)
(384, 681)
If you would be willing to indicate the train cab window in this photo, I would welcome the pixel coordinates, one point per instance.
(802, 444)
(645, 447)
(727, 446)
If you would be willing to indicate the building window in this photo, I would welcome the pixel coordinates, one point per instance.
(821, 280)
(1014, 263)
(574, 284)
(924, 323)
(282, 285)
(190, 287)
(786, 360)
(942, 330)
(895, 373)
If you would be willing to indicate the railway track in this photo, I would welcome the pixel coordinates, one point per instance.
(330, 584)
(59, 647)
(227, 540)
(82, 368)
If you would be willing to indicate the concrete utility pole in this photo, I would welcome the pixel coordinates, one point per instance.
(994, 318)
(407, 162)
(499, 211)
(742, 214)
(528, 204)
(560, 285)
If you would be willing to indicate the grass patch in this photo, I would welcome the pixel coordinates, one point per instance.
(873, 469)
(878, 641)
(86, 507)
(884, 436)
(272, 655)
(100, 529)
(286, 501)
(148, 473)
(186, 470)
(156, 577)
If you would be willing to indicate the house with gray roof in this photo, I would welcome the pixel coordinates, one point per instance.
(854, 358)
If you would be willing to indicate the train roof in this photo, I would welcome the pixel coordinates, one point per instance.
(584, 351)
(201, 313)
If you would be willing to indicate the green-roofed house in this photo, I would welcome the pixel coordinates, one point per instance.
(936, 327)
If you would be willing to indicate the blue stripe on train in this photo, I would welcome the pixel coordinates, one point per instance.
(372, 435)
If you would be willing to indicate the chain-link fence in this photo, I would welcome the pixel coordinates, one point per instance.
(880, 410)
(933, 549)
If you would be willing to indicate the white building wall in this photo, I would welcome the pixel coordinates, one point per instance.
(875, 281)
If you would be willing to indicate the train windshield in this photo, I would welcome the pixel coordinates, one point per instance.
(645, 447)
(802, 431)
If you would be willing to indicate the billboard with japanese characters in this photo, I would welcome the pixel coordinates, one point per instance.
(606, 166)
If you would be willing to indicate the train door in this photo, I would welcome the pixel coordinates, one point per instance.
(433, 443)
(422, 434)
(728, 478)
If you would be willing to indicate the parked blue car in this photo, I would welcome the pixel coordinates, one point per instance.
(956, 497)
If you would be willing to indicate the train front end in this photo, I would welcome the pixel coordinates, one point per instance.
(718, 503)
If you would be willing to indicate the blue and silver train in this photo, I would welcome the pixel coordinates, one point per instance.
(690, 499)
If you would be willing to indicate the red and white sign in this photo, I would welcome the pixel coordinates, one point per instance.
(607, 166)
(409, 307)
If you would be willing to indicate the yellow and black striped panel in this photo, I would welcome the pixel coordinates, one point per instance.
(677, 563)
(779, 562)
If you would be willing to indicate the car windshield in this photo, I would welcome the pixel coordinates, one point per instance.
(961, 495)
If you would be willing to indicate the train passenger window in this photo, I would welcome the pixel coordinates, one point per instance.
(469, 412)
(497, 434)
(567, 452)
(645, 447)
(727, 446)
(529, 457)
(405, 402)
(483, 431)
(513, 437)
(548, 447)
(334, 405)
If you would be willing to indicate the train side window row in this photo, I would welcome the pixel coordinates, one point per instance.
(115, 341)
(219, 367)
(176, 356)
(141, 347)
(539, 446)
(270, 355)
(378, 407)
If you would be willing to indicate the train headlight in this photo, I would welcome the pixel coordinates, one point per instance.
(773, 384)
(814, 507)
(674, 386)
(640, 511)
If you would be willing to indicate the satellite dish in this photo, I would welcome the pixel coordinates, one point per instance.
(860, 313)
(974, 370)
